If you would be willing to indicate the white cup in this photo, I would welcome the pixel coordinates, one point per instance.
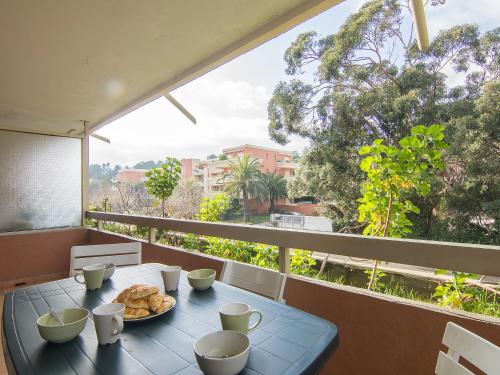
(108, 321)
(171, 275)
(235, 316)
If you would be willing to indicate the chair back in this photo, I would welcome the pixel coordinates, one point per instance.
(255, 279)
(463, 343)
(121, 254)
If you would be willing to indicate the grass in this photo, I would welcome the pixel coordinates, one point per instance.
(480, 302)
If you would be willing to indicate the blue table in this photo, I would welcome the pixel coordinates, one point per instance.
(288, 341)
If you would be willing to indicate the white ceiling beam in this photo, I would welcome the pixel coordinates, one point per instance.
(180, 107)
(418, 15)
(100, 137)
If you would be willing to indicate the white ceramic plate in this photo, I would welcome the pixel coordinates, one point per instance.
(153, 315)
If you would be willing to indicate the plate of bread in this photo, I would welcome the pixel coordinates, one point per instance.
(143, 302)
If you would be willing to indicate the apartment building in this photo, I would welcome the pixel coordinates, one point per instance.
(210, 171)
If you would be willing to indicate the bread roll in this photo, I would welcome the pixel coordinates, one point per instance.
(125, 292)
(131, 313)
(155, 300)
(143, 291)
(166, 304)
(140, 303)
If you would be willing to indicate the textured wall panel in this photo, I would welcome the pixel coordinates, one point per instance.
(40, 181)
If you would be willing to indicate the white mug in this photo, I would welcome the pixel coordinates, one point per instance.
(171, 275)
(236, 317)
(108, 321)
(92, 276)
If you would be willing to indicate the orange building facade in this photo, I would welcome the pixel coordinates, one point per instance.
(209, 173)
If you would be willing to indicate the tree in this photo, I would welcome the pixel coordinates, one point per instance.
(133, 198)
(103, 172)
(147, 164)
(162, 181)
(244, 179)
(275, 187)
(184, 203)
(213, 209)
(372, 82)
(393, 174)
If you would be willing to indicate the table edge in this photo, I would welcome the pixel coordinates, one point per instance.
(17, 363)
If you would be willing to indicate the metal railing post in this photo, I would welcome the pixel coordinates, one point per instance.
(284, 259)
(99, 225)
(152, 235)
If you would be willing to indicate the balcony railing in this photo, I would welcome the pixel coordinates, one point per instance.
(478, 259)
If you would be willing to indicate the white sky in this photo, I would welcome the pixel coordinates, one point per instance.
(230, 103)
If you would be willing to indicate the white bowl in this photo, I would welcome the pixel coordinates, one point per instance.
(201, 279)
(74, 323)
(222, 353)
(109, 270)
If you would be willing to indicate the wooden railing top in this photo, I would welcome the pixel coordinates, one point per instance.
(473, 258)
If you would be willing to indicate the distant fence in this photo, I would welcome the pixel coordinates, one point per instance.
(316, 223)
(287, 221)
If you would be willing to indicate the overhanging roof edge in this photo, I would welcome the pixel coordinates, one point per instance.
(252, 40)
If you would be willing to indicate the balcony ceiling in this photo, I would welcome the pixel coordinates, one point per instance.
(67, 61)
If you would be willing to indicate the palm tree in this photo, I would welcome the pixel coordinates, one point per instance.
(275, 188)
(244, 179)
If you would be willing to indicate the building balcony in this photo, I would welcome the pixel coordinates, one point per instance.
(394, 335)
(282, 164)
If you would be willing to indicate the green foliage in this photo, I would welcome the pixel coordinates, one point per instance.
(103, 172)
(213, 209)
(148, 164)
(244, 179)
(162, 181)
(458, 293)
(275, 188)
(393, 173)
(192, 242)
(377, 284)
(266, 256)
(362, 92)
(302, 263)
(453, 293)
(240, 251)
(233, 209)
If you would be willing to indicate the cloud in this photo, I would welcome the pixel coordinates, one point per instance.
(486, 13)
(228, 113)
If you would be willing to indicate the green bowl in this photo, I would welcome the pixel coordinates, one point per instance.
(201, 279)
(74, 323)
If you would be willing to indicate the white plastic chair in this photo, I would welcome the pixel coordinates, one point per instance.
(463, 343)
(256, 279)
(121, 254)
